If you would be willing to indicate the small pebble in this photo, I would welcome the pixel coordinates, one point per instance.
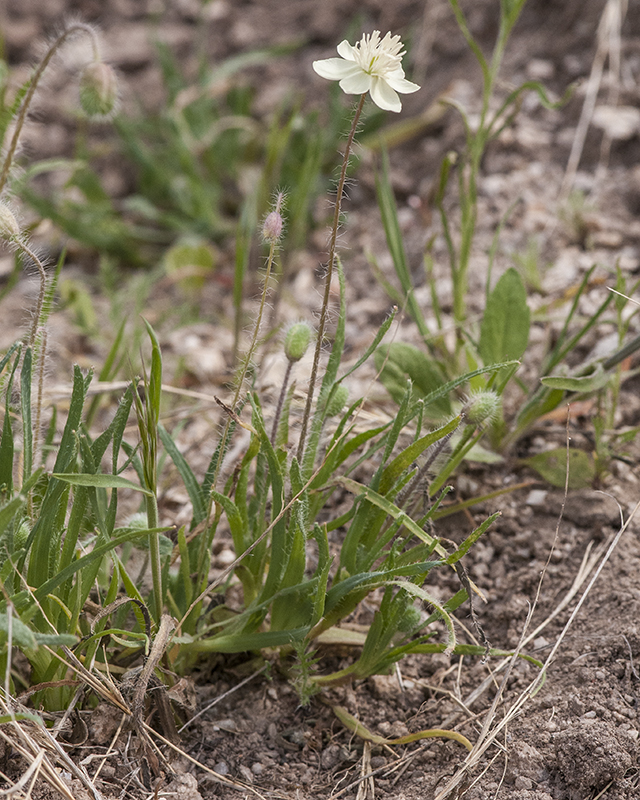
(536, 497)
(224, 558)
(246, 773)
(257, 768)
(221, 768)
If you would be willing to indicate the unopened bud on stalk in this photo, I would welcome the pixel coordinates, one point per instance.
(297, 341)
(481, 406)
(273, 224)
(338, 401)
(9, 228)
(272, 227)
(98, 89)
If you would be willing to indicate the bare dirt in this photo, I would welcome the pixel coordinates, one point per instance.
(577, 738)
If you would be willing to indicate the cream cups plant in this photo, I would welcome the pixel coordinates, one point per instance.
(372, 66)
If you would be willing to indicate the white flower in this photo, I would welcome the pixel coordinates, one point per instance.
(374, 66)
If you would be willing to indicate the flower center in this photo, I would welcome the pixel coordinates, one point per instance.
(377, 57)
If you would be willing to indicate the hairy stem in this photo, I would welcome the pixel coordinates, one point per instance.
(283, 392)
(327, 279)
(42, 291)
(247, 359)
(77, 27)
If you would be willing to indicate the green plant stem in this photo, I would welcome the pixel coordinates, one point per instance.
(154, 552)
(77, 27)
(39, 356)
(476, 144)
(469, 437)
(328, 278)
(40, 372)
(41, 292)
(246, 361)
(283, 393)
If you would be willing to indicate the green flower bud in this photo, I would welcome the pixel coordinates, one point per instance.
(297, 341)
(9, 228)
(98, 89)
(338, 400)
(21, 535)
(482, 406)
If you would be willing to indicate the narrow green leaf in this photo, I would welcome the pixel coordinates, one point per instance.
(100, 481)
(392, 510)
(235, 520)
(382, 330)
(25, 406)
(186, 473)
(45, 534)
(155, 375)
(56, 639)
(80, 564)
(472, 538)
(587, 383)
(6, 445)
(395, 242)
(404, 460)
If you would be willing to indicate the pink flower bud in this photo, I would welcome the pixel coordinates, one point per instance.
(272, 228)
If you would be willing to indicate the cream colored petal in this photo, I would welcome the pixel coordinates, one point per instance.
(384, 96)
(357, 83)
(397, 81)
(334, 69)
(346, 50)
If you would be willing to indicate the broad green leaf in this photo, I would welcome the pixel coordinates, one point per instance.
(504, 332)
(552, 465)
(21, 634)
(399, 360)
(100, 481)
